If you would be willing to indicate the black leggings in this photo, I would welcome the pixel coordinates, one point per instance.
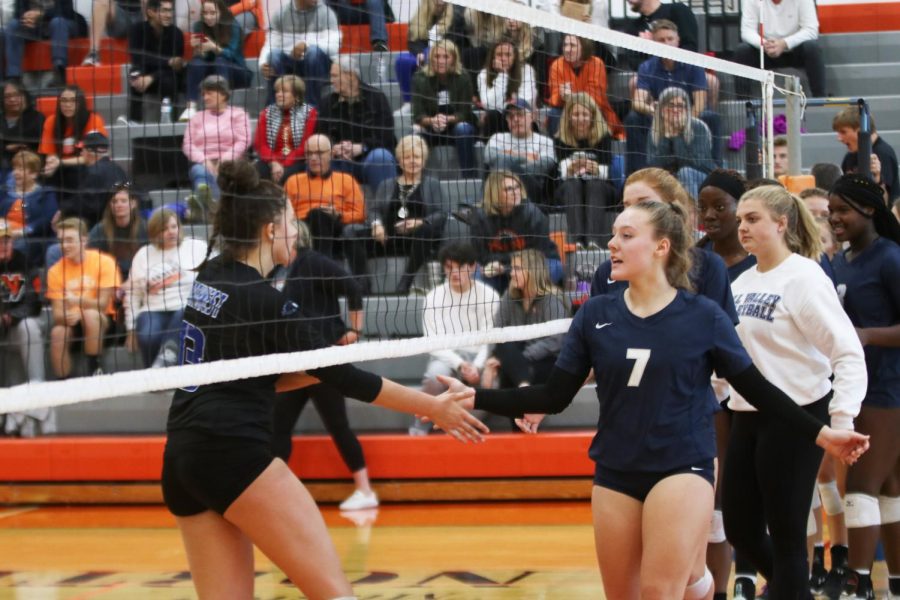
(768, 481)
(329, 403)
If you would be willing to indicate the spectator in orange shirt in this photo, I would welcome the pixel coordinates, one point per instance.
(63, 131)
(80, 288)
(326, 200)
(578, 70)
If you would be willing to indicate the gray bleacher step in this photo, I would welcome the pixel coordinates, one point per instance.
(147, 413)
(863, 79)
(873, 47)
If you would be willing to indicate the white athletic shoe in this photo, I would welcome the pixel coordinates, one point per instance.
(359, 500)
(188, 113)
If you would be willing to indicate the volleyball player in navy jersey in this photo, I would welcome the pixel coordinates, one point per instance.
(653, 348)
(220, 478)
(868, 277)
(794, 329)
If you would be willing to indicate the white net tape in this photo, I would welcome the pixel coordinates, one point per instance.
(72, 391)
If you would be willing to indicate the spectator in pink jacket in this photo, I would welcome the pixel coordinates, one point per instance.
(218, 133)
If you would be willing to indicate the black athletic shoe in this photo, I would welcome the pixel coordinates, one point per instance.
(817, 576)
(859, 587)
(835, 583)
(744, 589)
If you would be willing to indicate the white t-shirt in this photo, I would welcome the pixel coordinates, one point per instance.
(797, 334)
(446, 311)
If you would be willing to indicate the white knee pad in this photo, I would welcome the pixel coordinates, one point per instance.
(831, 498)
(861, 510)
(716, 528)
(890, 509)
(811, 528)
(700, 588)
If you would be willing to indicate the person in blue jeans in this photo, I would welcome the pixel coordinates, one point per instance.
(364, 12)
(37, 20)
(301, 40)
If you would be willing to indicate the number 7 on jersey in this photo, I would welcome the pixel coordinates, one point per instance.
(640, 356)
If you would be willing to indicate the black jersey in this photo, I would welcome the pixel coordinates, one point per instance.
(653, 378)
(869, 288)
(233, 312)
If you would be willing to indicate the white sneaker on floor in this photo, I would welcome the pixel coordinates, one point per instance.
(91, 60)
(359, 500)
(189, 112)
(123, 120)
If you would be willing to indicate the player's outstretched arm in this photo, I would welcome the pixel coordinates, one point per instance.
(447, 411)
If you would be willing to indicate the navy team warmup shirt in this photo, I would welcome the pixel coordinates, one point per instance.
(653, 378)
(869, 287)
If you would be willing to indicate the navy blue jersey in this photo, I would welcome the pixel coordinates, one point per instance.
(708, 275)
(869, 287)
(653, 378)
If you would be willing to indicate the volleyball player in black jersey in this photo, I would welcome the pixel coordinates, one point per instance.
(220, 479)
(653, 348)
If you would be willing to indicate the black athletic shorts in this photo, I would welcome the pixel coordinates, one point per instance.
(208, 472)
(638, 484)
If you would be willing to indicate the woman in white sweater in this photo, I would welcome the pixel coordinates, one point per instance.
(794, 329)
(158, 287)
(505, 78)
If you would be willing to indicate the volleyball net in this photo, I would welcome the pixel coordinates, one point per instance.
(543, 107)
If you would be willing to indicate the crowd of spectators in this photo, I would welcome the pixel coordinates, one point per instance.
(73, 228)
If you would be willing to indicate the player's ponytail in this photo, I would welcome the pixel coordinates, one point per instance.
(670, 221)
(801, 235)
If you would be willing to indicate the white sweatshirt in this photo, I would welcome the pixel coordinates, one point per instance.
(160, 280)
(793, 327)
(794, 21)
(449, 312)
(494, 97)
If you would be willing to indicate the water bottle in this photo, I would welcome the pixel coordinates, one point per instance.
(165, 111)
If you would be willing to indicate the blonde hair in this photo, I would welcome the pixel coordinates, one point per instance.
(412, 143)
(670, 221)
(665, 98)
(449, 47)
(801, 235)
(29, 160)
(668, 187)
(424, 19)
(538, 281)
(493, 190)
(72, 223)
(488, 29)
(157, 224)
(599, 127)
(304, 236)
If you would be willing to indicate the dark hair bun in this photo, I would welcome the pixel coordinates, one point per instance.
(237, 177)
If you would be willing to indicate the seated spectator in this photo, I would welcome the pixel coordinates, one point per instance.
(584, 152)
(248, 14)
(460, 305)
(113, 18)
(791, 30)
(54, 20)
(20, 306)
(816, 200)
(407, 218)
(121, 231)
(365, 12)
(20, 124)
(97, 174)
(218, 45)
(531, 299)
(507, 222)
(528, 154)
(283, 129)
(325, 199)
(60, 139)
(156, 47)
(432, 21)
(358, 118)
(28, 208)
(219, 133)
(486, 30)
(826, 174)
(156, 292)
(316, 283)
(654, 75)
(595, 12)
(442, 105)
(653, 10)
(81, 288)
(505, 78)
(577, 70)
(301, 40)
(678, 142)
(885, 173)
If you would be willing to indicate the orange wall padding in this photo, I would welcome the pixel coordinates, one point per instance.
(862, 17)
(388, 456)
